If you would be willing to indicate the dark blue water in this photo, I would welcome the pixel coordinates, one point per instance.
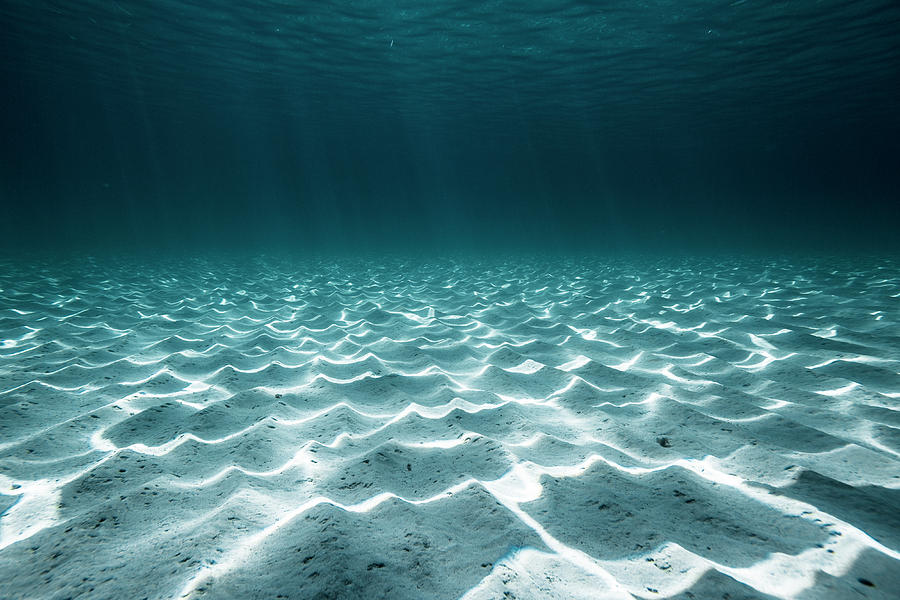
(325, 125)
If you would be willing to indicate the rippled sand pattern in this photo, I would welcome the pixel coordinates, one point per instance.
(569, 429)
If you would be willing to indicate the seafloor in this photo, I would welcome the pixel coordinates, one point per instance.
(682, 428)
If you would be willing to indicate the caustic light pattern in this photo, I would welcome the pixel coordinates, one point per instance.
(531, 429)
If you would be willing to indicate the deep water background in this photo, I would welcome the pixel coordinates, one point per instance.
(381, 125)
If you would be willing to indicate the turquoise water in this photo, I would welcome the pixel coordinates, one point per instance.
(359, 126)
(367, 299)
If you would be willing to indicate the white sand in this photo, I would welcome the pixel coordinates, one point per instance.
(537, 430)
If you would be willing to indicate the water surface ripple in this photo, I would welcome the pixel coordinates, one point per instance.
(565, 63)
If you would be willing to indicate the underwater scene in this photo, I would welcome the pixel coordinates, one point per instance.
(449, 300)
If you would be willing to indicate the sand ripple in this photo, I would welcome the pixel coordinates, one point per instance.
(533, 429)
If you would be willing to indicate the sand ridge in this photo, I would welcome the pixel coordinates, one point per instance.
(524, 429)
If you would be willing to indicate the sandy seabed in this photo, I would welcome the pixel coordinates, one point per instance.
(459, 429)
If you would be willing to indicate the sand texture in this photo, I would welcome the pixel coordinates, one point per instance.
(458, 429)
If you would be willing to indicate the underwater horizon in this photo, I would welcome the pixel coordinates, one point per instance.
(358, 126)
(450, 300)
